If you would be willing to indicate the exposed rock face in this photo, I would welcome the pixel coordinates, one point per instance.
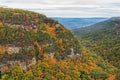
(73, 55)
(118, 32)
(9, 64)
(9, 49)
(24, 65)
(22, 29)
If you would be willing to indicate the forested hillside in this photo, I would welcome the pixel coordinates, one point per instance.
(23, 28)
(103, 39)
(34, 47)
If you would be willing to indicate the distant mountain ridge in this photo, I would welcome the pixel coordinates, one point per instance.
(105, 36)
(103, 39)
(74, 23)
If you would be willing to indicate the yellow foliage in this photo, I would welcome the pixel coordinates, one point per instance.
(67, 77)
(35, 30)
(29, 72)
(53, 78)
(6, 69)
(39, 72)
(1, 24)
(50, 30)
(36, 44)
(17, 73)
(36, 20)
(60, 42)
(45, 57)
(84, 51)
(1, 31)
(52, 61)
(15, 13)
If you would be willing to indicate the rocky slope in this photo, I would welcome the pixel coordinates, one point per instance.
(30, 35)
(34, 47)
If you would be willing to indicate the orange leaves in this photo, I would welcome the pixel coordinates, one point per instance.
(2, 49)
(60, 42)
(49, 60)
(29, 72)
(50, 30)
(52, 61)
(53, 78)
(112, 77)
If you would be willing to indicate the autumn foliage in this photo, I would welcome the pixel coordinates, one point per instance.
(41, 50)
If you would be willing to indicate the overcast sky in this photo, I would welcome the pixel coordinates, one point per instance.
(68, 8)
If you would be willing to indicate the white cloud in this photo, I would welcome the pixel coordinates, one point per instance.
(68, 8)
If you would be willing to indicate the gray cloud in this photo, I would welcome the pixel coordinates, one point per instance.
(68, 8)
